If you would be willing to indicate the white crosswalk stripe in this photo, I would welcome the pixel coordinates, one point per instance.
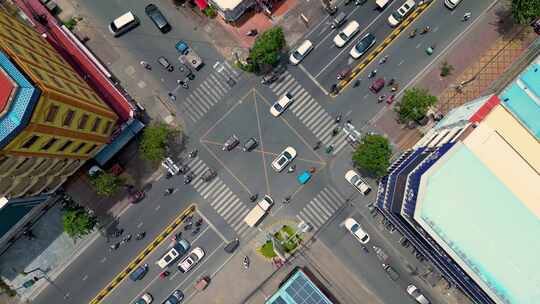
(310, 112)
(209, 93)
(221, 198)
(321, 207)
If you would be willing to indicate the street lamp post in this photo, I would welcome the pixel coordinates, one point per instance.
(29, 283)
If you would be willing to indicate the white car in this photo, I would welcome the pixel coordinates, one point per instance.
(354, 179)
(191, 260)
(401, 13)
(451, 4)
(301, 52)
(145, 299)
(362, 46)
(347, 33)
(283, 159)
(414, 292)
(355, 229)
(281, 105)
(179, 249)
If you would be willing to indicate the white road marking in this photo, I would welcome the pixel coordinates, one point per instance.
(103, 260)
(139, 225)
(419, 45)
(157, 207)
(85, 277)
(401, 62)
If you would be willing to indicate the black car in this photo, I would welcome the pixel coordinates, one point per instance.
(250, 144)
(230, 143)
(175, 298)
(165, 63)
(153, 12)
(363, 45)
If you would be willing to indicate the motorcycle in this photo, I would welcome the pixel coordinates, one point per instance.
(253, 197)
(412, 34)
(183, 169)
(383, 60)
(317, 145)
(390, 99)
(126, 239)
(164, 274)
(347, 2)
(329, 149)
(291, 169)
(139, 236)
(188, 178)
(196, 230)
(245, 262)
(168, 191)
(199, 222)
(372, 74)
(335, 131)
(425, 30)
(188, 227)
(287, 200)
(381, 98)
(193, 153)
(338, 118)
(114, 246)
(252, 33)
(356, 83)
(359, 2)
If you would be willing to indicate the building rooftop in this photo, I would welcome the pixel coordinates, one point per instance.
(299, 289)
(7, 86)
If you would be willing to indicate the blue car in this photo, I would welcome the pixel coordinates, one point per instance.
(304, 177)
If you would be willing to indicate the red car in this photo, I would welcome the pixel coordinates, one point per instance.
(136, 196)
(377, 85)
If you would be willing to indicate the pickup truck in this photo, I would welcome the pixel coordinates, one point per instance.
(188, 55)
(259, 211)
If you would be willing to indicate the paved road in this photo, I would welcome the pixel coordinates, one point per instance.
(213, 110)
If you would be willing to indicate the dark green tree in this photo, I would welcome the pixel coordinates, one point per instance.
(373, 155)
(267, 47)
(154, 142)
(106, 184)
(414, 105)
(77, 222)
(525, 11)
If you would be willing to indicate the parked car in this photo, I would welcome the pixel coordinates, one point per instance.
(146, 298)
(179, 249)
(347, 33)
(376, 85)
(451, 4)
(414, 292)
(136, 196)
(139, 272)
(355, 229)
(230, 143)
(281, 105)
(401, 13)
(354, 179)
(165, 63)
(176, 297)
(123, 24)
(392, 273)
(250, 144)
(301, 52)
(191, 260)
(363, 45)
(153, 12)
(283, 159)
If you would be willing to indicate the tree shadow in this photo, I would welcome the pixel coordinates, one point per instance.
(505, 23)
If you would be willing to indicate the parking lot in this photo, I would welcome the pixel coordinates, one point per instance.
(160, 287)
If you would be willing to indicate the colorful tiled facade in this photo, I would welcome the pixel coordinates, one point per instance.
(51, 121)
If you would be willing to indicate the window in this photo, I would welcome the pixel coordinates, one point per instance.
(30, 142)
(22, 163)
(83, 121)
(79, 147)
(69, 118)
(91, 149)
(51, 115)
(97, 122)
(107, 127)
(65, 145)
(49, 144)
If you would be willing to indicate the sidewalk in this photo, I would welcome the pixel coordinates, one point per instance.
(479, 58)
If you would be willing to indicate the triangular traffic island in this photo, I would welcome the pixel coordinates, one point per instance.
(250, 117)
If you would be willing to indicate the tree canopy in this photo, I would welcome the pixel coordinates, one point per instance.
(373, 155)
(414, 104)
(525, 11)
(154, 142)
(267, 46)
(106, 184)
(77, 222)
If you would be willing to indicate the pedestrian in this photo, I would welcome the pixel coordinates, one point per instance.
(466, 16)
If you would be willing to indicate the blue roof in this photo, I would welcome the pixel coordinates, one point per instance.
(299, 289)
(22, 105)
(132, 128)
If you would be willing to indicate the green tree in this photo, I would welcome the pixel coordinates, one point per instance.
(267, 46)
(414, 105)
(106, 184)
(154, 142)
(78, 222)
(373, 154)
(446, 69)
(525, 11)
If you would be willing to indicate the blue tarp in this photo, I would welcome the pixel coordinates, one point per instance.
(130, 130)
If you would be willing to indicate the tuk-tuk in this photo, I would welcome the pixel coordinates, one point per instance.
(304, 177)
(208, 175)
(339, 20)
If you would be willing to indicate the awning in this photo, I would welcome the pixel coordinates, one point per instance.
(130, 129)
(202, 4)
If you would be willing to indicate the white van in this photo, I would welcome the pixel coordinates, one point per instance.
(451, 4)
(381, 4)
(347, 33)
(123, 24)
(401, 13)
(301, 52)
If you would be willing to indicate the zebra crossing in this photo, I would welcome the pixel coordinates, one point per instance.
(321, 207)
(209, 92)
(221, 198)
(309, 112)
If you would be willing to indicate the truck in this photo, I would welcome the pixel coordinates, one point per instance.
(259, 211)
(188, 55)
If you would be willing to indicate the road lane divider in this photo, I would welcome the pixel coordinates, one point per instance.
(143, 254)
(355, 71)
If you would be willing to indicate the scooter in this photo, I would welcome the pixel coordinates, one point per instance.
(383, 60)
(245, 262)
(164, 274)
(252, 32)
(372, 74)
(381, 98)
(425, 30)
(412, 34)
(317, 145)
(114, 246)
(359, 2)
(193, 153)
(168, 191)
(188, 178)
(356, 83)
(287, 200)
(198, 222)
(329, 149)
(291, 169)
(338, 118)
(335, 131)
(196, 230)
(139, 236)
(253, 197)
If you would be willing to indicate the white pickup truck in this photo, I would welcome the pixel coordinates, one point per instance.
(259, 211)
(188, 55)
